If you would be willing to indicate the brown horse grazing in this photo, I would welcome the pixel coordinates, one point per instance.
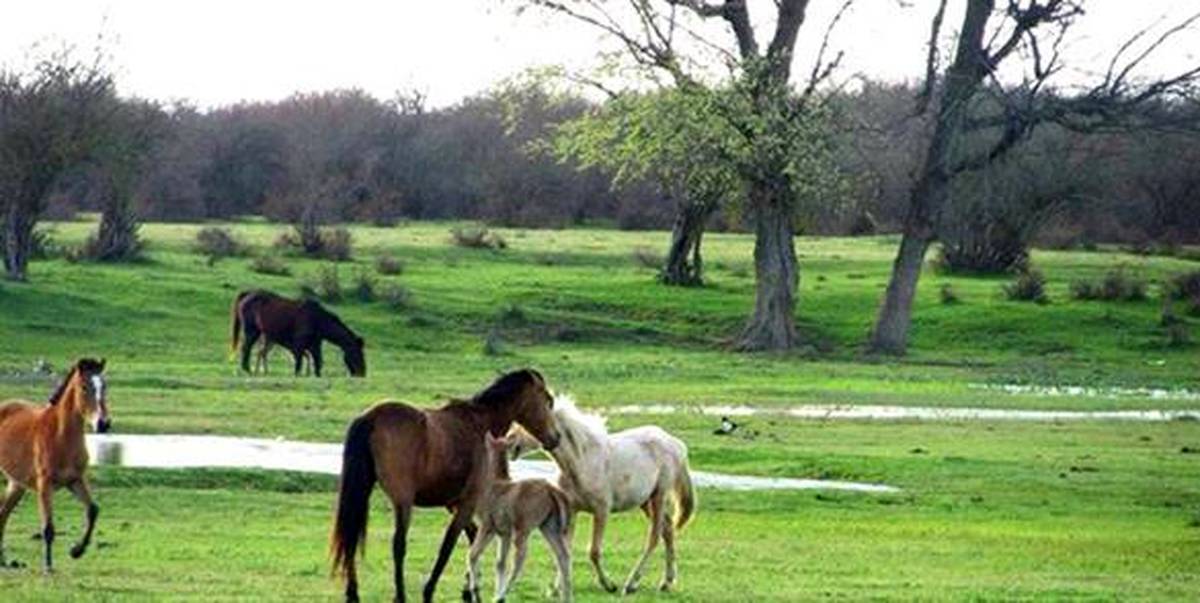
(299, 326)
(434, 458)
(42, 448)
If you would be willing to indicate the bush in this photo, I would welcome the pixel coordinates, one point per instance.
(1186, 287)
(948, 295)
(396, 296)
(1179, 335)
(388, 265)
(1029, 285)
(337, 244)
(41, 244)
(327, 286)
(364, 286)
(477, 238)
(269, 264)
(1117, 285)
(217, 243)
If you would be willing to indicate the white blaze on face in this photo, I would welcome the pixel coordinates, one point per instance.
(98, 386)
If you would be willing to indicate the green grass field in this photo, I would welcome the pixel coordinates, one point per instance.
(1092, 510)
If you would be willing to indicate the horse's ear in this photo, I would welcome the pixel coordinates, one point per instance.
(103, 361)
(361, 342)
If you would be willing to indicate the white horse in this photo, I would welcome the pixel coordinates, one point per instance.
(601, 473)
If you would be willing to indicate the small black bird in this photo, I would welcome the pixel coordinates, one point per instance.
(727, 427)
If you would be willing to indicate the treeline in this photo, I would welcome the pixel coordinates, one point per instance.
(351, 157)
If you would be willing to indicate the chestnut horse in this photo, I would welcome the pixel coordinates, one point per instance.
(42, 448)
(429, 458)
(299, 326)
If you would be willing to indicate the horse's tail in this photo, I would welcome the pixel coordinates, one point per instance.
(685, 494)
(236, 319)
(349, 535)
(562, 509)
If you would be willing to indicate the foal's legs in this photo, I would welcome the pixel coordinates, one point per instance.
(462, 516)
(12, 496)
(478, 545)
(250, 334)
(45, 490)
(80, 489)
(599, 519)
(521, 539)
(560, 546)
(654, 509)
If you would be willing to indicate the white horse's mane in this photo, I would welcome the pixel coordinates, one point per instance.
(572, 418)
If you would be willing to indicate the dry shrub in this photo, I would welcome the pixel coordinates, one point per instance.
(388, 265)
(269, 264)
(216, 242)
(1030, 285)
(477, 237)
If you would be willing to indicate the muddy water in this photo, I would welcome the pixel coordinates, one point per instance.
(898, 413)
(180, 451)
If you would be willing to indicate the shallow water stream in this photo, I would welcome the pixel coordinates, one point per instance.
(181, 451)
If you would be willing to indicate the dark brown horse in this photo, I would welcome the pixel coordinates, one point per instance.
(434, 458)
(42, 449)
(300, 326)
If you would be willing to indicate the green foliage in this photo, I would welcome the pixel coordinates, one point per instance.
(1117, 285)
(1029, 285)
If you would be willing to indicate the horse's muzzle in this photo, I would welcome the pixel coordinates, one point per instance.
(103, 425)
(551, 442)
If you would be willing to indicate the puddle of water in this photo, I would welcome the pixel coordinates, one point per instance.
(181, 451)
(897, 413)
(1079, 391)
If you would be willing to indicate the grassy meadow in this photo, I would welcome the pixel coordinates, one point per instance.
(987, 510)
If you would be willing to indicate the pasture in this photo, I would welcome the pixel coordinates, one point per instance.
(988, 510)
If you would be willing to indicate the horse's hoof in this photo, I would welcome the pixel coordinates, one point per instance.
(665, 587)
(608, 587)
(78, 550)
(629, 589)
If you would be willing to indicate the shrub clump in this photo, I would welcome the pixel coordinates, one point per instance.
(948, 295)
(388, 265)
(216, 243)
(326, 285)
(396, 296)
(1117, 285)
(335, 244)
(1030, 285)
(646, 258)
(477, 237)
(269, 264)
(364, 286)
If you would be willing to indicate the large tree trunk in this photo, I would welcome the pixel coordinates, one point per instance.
(18, 236)
(684, 266)
(931, 190)
(773, 326)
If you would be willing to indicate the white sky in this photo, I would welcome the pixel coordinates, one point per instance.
(222, 51)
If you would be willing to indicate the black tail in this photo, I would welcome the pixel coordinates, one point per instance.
(354, 492)
(237, 321)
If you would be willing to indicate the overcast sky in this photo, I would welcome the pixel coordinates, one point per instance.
(222, 51)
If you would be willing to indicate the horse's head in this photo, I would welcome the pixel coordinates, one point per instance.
(497, 461)
(88, 378)
(534, 407)
(352, 354)
(520, 442)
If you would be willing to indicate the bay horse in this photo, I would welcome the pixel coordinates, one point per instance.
(429, 458)
(604, 473)
(298, 325)
(42, 449)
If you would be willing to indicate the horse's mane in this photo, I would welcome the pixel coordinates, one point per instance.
(571, 418)
(506, 387)
(326, 315)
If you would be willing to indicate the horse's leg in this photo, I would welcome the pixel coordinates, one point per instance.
(502, 564)
(668, 536)
(298, 361)
(462, 515)
(45, 490)
(599, 519)
(12, 496)
(80, 489)
(479, 544)
(315, 350)
(250, 337)
(399, 544)
(521, 541)
(561, 548)
(654, 509)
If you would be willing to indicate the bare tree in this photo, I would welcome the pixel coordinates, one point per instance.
(1033, 31)
(51, 119)
(771, 121)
